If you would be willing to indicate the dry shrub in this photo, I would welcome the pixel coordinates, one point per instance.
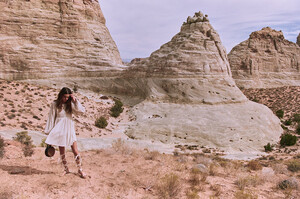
(254, 165)
(192, 194)
(2, 147)
(217, 189)
(152, 155)
(120, 146)
(293, 165)
(26, 141)
(243, 182)
(169, 187)
(280, 168)
(203, 160)
(213, 169)
(195, 175)
(245, 195)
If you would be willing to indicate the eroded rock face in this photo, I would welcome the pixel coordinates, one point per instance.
(191, 97)
(266, 59)
(184, 94)
(53, 38)
(195, 50)
(298, 40)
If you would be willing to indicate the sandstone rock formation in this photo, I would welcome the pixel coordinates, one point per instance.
(54, 38)
(266, 59)
(298, 40)
(184, 94)
(191, 97)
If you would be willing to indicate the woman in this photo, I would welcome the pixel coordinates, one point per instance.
(60, 126)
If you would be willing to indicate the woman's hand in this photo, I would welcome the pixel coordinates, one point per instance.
(73, 98)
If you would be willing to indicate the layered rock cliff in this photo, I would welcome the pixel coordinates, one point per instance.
(54, 38)
(266, 59)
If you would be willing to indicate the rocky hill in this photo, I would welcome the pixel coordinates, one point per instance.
(192, 98)
(52, 38)
(298, 40)
(266, 59)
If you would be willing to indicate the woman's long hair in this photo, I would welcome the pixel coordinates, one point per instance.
(59, 102)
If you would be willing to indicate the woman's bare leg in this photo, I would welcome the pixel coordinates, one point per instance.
(62, 152)
(77, 159)
(74, 148)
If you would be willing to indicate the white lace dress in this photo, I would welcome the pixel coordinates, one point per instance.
(60, 125)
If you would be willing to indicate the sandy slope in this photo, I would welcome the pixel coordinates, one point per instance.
(26, 106)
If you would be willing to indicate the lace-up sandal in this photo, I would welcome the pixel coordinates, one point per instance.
(78, 163)
(64, 162)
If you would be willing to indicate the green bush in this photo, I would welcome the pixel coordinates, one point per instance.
(280, 113)
(296, 118)
(288, 140)
(25, 139)
(2, 147)
(298, 129)
(287, 122)
(268, 147)
(117, 109)
(101, 122)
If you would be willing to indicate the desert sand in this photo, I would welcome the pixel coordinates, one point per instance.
(121, 171)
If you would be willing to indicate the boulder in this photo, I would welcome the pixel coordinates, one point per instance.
(55, 38)
(265, 60)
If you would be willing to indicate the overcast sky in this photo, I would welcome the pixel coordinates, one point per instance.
(140, 27)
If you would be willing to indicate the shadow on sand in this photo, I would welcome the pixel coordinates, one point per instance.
(22, 170)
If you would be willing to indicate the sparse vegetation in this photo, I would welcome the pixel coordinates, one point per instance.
(2, 147)
(294, 165)
(280, 113)
(195, 176)
(243, 182)
(296, 118)
(254, 165)
(117, 109)
(241, 194)
(43, 143)
(101, 122)
(287, 122)
(288, 140)
(169, 187)
(268, 147)
(25, 139)
(298, 129)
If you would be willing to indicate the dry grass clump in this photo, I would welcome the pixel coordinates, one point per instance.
(293, 165)
(192, 194)
(217, 190)
(241, 194)
(254, 165)
(152, 155)
(120, 146)
(244, 182)
(2, 147)
(26, 141)
(195, 176)
(169, 187)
